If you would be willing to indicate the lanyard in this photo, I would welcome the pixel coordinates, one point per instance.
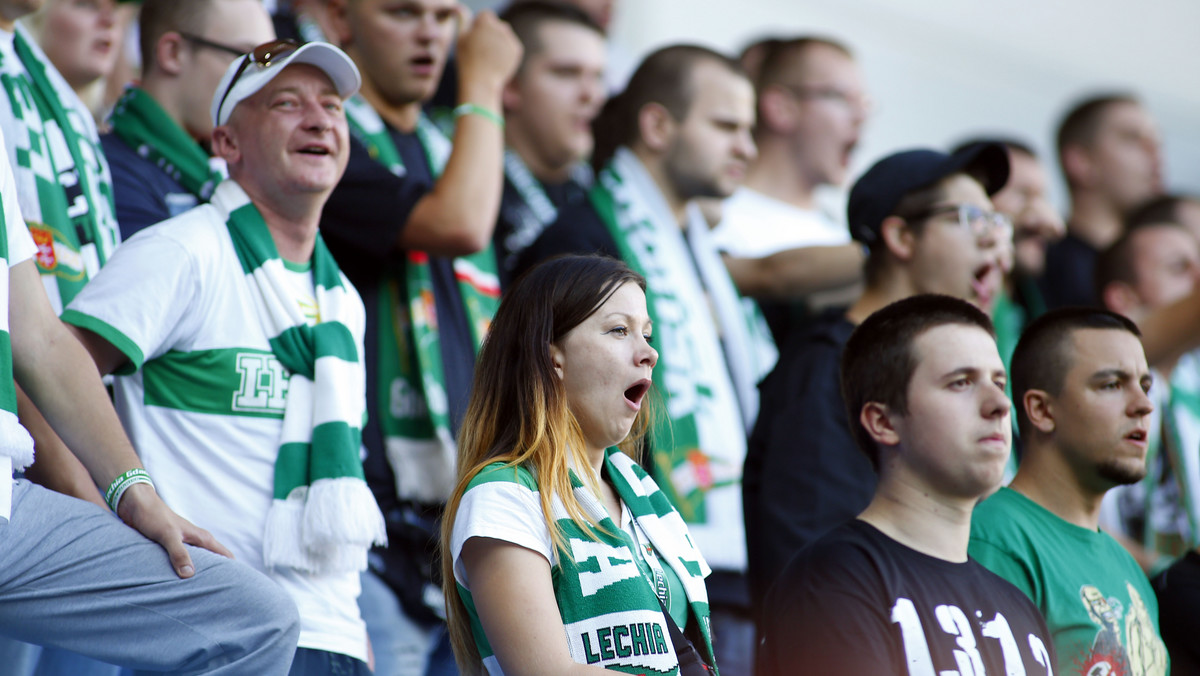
(653, 570)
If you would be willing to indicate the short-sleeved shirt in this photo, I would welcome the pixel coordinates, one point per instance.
(1097, 601)
(202, 396)
(858, 602)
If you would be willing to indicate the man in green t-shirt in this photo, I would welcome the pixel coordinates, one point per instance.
(1080, 380)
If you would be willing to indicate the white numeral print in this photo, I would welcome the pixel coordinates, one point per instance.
(998, 629)
(916, 650)
(969, 661)
(955, 623)
(1041, 654)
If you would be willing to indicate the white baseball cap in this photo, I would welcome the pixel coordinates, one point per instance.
(250, 73)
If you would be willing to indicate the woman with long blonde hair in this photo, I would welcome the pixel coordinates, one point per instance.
(560, 554)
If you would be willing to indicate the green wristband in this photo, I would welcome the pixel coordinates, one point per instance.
(476, 109)
(122, 483)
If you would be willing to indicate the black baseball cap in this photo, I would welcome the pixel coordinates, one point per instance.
(877, 192)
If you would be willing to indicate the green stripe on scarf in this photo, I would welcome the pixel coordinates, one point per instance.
(143, 125)
(324, 516)
(413, 412)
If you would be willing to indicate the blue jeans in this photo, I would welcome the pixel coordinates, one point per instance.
(74, 577)
(321, 663)
(402, 646)
(26, 659)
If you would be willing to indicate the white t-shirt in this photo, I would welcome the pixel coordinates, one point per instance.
(205, 407)
(754, 225)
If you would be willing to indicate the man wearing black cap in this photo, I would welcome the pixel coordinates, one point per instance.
(893, 590)
(927, 222)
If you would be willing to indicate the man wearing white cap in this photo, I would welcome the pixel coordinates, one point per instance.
(239, 344)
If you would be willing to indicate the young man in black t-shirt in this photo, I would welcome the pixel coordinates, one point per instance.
(893, 591)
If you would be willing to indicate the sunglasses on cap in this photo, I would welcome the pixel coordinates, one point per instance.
(264, 55)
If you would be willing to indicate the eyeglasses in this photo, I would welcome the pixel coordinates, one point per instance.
(854, 101)
(263, 56)
(977, 221)
(205, 42)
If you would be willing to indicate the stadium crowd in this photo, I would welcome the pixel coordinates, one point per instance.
(377, 336)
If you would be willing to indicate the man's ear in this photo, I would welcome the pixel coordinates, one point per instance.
(656, 127)
(875, 418)
(168, 53)
(1120, 298)
(778, 111)
(224, 145)
(1077, 165)
(556, 357)
(510, 96)
(898, 237)
(1039, 408)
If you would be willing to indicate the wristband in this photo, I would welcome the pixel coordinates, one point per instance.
(122, 483)
(476, 109)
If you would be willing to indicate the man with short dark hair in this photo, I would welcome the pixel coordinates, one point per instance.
(927, 221)
(1108, 149)
(1081, 382)
(811, 107)
(681, 131)
(893, 591)
(549, 105)
(159, 144)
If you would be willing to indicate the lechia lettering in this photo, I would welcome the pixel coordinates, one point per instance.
(623, 640)
(264, 384)
(953, 622)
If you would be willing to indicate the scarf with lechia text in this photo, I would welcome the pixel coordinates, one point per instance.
(323, 517)
(62, 177)
(413, 410)
(693, 451)
(607, 594)
(15, 442)
(143, 125)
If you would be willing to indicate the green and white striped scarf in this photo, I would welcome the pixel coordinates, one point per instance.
(1177, 414)
(143, 125)
(691, 453)
(324, 517)
(15, 443)
(413, 411)
(62, 177)
(609, 609)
